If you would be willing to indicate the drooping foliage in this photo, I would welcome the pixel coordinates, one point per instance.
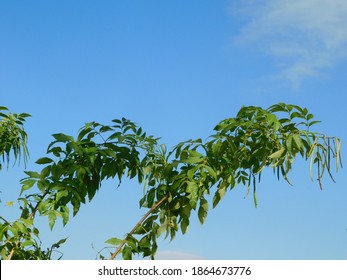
(177, 182)
(13, 137)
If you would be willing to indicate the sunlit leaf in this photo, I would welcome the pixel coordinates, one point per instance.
(184, 225)
(277, 154)
(114, 241)
(27, 184)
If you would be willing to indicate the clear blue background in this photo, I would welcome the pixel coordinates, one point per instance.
(177, 68)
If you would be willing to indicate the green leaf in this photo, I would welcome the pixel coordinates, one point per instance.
(311, 154)
(84, 131)
(24, 115)
(191, 172)
(27, 222)
(61, 194)
(27, 243)
(192, 160)
(144, 242)
(45, 171)
(64, 211)
(219, 194)
(139, 131)
(114, 241)
(150, 198)
(127, 253)
(105, 128)
(14, 231)
(76, 203)
(185, 209)
(44, 160)
(162, 228)
(309, 117)
(141, 230)
(289, 142)
(27, 184)
(192, 190)
(52, 216)
(313, 122)
(20, 227)
(295, 115)
(255, 193)
(60, 137)
(131, 241)
(298, 142)
(33, 174)
(184, 225)
(277, 108)
(117, 121)
(211, 171)
(277, 154)
(61, 241)
(202, 213)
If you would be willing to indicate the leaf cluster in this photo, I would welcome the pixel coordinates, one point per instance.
(20, 241)
(13, 137)
(176, 182)
(235, 155)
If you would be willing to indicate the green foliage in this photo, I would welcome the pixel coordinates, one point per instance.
(20, 241)
(13, 138)
(176, 183)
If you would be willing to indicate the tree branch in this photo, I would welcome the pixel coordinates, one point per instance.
(154, 207)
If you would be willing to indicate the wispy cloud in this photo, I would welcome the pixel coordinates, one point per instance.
(305, 36)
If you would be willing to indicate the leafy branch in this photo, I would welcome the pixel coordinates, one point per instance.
(137, 226)
(176, 182)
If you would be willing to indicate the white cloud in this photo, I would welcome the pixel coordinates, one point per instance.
(305, 36)
(174, 255)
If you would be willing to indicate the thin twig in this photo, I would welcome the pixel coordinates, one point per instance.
(2, 218)
(12, 251)
(154, 207)
(33, 213)
(31, 216)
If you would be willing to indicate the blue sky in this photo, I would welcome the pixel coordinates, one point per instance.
(177, 68)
